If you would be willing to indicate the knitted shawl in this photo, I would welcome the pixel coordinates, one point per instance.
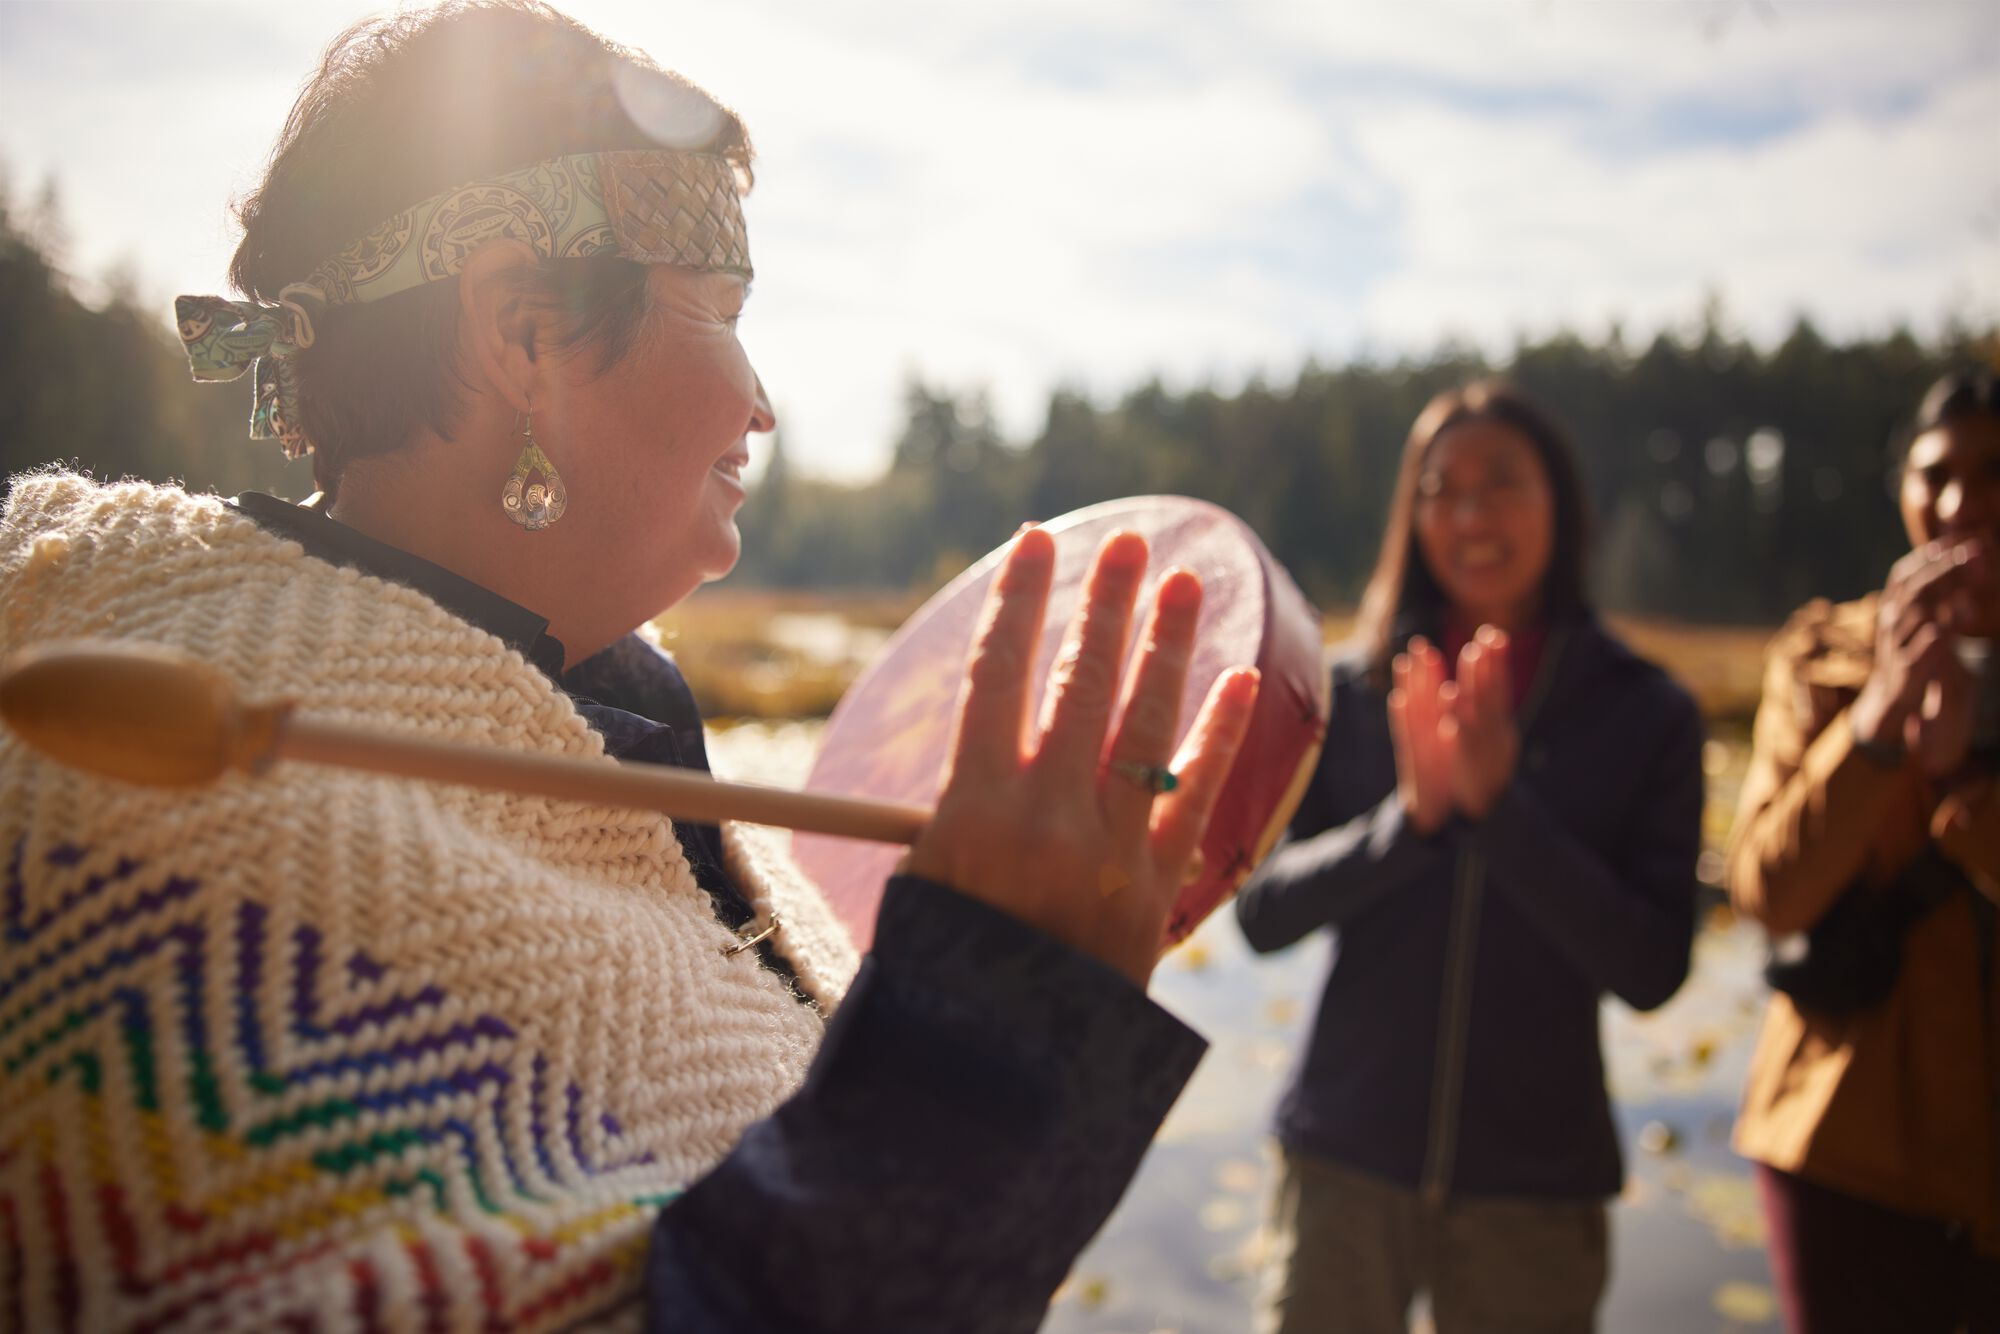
(323, 1049)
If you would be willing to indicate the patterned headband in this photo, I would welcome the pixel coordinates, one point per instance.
(655, 207)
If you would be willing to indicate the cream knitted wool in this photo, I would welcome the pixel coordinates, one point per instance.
(334, 1046)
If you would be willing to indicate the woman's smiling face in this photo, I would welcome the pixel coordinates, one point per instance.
(1485, 521)
(653, 447)
(1951, 490)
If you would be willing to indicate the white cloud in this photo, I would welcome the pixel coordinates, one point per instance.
(1858, 222)
(1036, 192)
(1828, 53)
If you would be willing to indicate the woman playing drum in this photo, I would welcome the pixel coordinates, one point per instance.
(324, 1048)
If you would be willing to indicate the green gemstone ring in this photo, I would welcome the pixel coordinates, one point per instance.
(1155, 778)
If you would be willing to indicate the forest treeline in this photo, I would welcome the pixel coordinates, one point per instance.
(104, 385)
(1729, 481)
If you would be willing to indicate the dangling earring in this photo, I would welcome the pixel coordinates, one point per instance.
(534, 506)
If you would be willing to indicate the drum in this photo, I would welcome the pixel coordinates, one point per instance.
(889, 734)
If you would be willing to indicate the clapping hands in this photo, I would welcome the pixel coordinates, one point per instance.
(1456, 740)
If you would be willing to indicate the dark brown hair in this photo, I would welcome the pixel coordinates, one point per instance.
(405, 107)
(1403, 596)
(1972, 392)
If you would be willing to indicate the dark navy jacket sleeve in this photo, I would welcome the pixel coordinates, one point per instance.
(982, 1097)
(1625, 923)
(1345, 852)
(1334, 875)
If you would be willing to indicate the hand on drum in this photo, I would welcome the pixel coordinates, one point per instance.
(1054, 826)
(1456, 741)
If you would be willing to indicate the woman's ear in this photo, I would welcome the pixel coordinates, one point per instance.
(499, 323)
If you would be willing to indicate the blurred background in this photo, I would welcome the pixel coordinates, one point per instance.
(1016, 259)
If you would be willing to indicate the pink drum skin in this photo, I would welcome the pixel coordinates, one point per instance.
(888, 736)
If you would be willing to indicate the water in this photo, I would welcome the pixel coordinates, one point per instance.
(1180, 1254)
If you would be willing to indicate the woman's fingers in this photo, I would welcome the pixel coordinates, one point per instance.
(1929, 649)
(1148, 723)
(1933, 573)
(1180, 818)
(1468, 691)
(1490, 711)
(1422, 686)
(1923, 656)
(1399, 724)
(1403, 685)
(1432, 700)
(1427, 667)
(1083, 684)
(994, 701)
(1415, 744)
(1901, 608)
(1451, 711)
(1450, 744)
(1413, 763)
(1914, 616)
(1499, 681)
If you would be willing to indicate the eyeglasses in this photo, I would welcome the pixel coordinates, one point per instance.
(1498, 492)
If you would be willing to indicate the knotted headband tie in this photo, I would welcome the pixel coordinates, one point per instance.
(657, 206)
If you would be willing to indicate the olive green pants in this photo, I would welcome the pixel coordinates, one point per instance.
(1349, 1253)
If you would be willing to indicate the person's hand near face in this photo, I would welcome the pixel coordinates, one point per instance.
(1919, 697)
(1949, 496)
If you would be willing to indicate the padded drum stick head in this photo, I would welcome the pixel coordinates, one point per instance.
(134, 712)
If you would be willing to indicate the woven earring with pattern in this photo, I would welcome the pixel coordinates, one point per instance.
(533, 504)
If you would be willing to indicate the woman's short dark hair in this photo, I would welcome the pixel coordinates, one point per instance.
(1403, 596)
(407, 106)
(1971, 392)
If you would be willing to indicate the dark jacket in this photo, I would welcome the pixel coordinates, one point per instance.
(1455, 1049)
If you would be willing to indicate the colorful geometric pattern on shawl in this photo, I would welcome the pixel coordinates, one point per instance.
(329, 1050)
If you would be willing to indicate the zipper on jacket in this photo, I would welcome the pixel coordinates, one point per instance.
(1448, 1071)
(1461, 953)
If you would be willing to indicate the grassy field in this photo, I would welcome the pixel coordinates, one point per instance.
(755, 653)
(770, 654)
(1721, 666)
(761, 660)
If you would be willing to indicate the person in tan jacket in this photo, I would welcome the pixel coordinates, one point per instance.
(1870, 813)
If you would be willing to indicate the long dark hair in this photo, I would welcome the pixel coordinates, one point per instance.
(1402, 594)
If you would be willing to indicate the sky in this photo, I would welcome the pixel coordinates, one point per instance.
(1018, 195)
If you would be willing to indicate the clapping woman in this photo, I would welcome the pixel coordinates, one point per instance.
(325, 1050)
(1502, 829)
